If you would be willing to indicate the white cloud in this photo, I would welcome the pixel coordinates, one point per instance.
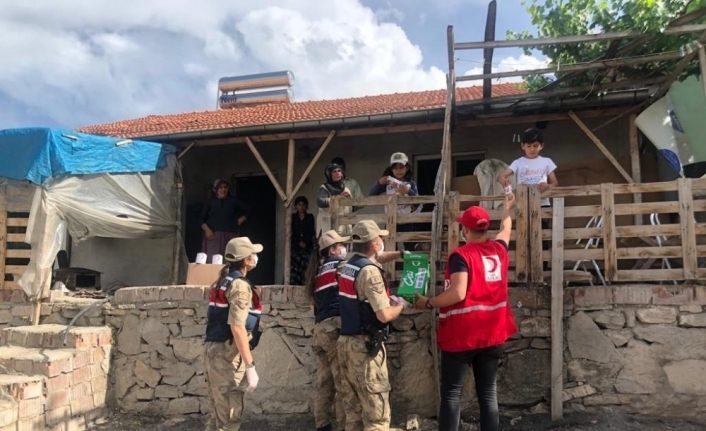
(508, 64)
(79, 63)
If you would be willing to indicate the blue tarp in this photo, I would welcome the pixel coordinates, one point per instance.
(37, 154)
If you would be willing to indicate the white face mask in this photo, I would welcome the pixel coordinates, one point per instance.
(255, 259)
(382, 246)
(341, 252)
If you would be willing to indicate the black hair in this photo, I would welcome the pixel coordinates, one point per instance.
(339, 161)
(407, 176)
(227, 268)
(532, 135)
(302, 199)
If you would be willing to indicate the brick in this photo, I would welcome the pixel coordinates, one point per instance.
(672, 295)
(81, 359)
(99, 384)
(635, 294)
(58, 383)
(8, 413)
(594, 295)
(81, 405)
(147, 294)
(80, 390)
(22, 310)
(31, 424)
(30, 408)
(58, 415)
(99, 399)
(105, 338)
(80, 375)
(54, 367)
(126, 295)
(58, 399)
(22, 387)
(24, 366)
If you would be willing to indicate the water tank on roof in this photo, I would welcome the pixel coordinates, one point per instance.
(232, 100)
(283, 78)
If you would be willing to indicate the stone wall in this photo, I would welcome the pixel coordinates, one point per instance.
(631, 347)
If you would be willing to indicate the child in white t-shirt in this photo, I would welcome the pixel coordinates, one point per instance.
(532, 168)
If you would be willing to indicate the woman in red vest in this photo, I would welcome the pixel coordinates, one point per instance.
(475, 317)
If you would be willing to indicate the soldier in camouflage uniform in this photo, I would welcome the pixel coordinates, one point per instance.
(233, 324)
(366, 308)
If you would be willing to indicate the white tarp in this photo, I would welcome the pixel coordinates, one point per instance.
(104, 205)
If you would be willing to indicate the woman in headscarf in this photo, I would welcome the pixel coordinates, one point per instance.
(221, 219)
(333, 186)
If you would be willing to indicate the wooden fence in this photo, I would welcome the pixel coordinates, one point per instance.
(603, 236)
(14, 252)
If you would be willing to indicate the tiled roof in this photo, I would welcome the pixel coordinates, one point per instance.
(277, 113)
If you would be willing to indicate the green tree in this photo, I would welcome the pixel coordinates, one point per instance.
(573, 17)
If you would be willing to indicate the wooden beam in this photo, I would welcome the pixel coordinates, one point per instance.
(635, 168)
(602, 64)
(600, 146)
(687, 224)
(518, 43)
(3, 234)
(391, 226)
(557, 309)
(610, 255)
(535, 235)
(183, 152)
(522, 265)
(266, 168)
(313, 161)
(288, 214)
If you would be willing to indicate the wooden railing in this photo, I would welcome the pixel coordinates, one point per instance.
(604, 237)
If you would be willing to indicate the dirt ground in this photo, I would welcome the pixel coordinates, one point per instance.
(598, 421)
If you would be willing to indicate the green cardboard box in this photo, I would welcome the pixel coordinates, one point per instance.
(415, 276)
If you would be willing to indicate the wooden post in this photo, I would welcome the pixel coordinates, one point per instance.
(288, 213)
(635, 162)
(522, 264)
(266, 168)
(390, 242)
(535, 235)
(600, 146)
(176, 253)
(454, 235)
(610, 253)
(557, 310)
(3, 234)
(687, 225)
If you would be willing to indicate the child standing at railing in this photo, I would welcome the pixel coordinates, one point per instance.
(397, 179)
(532, 169)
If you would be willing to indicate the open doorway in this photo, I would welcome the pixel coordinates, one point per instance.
(426, 167)
(261, 227)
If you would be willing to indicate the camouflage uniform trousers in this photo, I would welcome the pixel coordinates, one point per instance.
(224, 370)
(365, 385)
(328, 375)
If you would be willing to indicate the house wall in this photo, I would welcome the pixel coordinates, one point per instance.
(579, 161)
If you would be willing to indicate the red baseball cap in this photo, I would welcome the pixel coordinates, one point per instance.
(475, 218)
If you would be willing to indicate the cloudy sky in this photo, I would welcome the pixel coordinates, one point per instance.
(70, 63)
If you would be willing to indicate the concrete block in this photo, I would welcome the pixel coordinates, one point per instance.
(196, 293)
(672, 295)
(171, 293)
(593, 295)
(634, 294)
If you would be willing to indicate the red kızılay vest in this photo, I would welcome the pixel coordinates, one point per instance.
(484, 318)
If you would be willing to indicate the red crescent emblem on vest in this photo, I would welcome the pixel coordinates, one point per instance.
(493, 259)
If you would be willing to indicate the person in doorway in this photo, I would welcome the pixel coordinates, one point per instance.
(366, 309)
(232, 331)
(303, 236)
(221, 219)
(475, 317)
(326, 330)
(350, 183)
(397, 179)
(332, 186)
